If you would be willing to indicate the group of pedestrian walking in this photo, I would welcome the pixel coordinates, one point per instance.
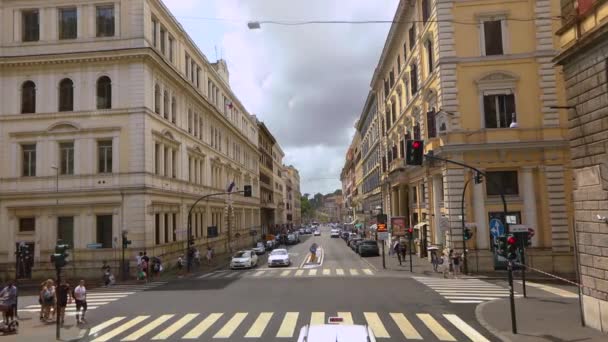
(54, 300)
(449, 263)
(148, 268)
(399, 248)
(8, 298)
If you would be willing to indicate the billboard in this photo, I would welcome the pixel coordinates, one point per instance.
(398, 225)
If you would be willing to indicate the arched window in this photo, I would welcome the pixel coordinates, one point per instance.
(66, 95)
(28, 97)
(104, 93)
(173, 109)
(157, 99)
(166, 104)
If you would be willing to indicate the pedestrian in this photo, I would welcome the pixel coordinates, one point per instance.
(143, 274)
(209, 255)
(434, 260)
(64, 298)
(403, 249)
(456, 264)
(445, 264)
(48, 299)
(138, 259)
(397, 249)
(156, 267)
(197, 259)
(8, 296)
(80, 296)
(147, 260)
(451, 261)
(391, 251)
(180, 265)
(106, 273)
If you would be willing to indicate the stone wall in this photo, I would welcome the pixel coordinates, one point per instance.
(587, 91)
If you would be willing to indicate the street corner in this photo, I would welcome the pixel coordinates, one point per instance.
(313, 260)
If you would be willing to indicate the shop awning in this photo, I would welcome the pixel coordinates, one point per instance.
(359, 225)
(421, 224)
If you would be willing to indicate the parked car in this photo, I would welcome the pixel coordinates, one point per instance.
(259, 248)
(270, 244)
(292, 239)
(350, 239)
(244, 259)
(368, 247)
(354, 242)
(308, 231)
(279, 257)
(317, 232)
(334, 233)
(302, 231)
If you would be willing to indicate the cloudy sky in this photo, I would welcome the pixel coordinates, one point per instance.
(307, 83)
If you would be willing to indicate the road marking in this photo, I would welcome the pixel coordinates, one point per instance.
(339, 271)
(306, 258)
(103, 325)
(374, 321)
(471, 297)
(435, 327)
(312, 272)
(231, 274)
(354, 272)
(113, 333)
(465, 328)
(205, 276)
(555, 290)
(231, 325)
(218, 274)
(258, 273)
(175, 327)
(466, 301)
(326, 271)
(317, 318)
(205, 324)
(299, 273)
(368, 271)
(109, 294)
(405, 326)
(147, 328)
(347, 316)
(257, 329)
(285, 273)
(370, 264)
(288, 325)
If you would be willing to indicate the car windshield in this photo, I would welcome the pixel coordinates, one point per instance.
(369, 242)
(279, 252)
(291, 236)
(241, 254)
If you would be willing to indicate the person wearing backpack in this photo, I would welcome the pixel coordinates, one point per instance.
(180, 265)
(48, 299)
(435, 260)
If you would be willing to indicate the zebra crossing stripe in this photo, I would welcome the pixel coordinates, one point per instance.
(347, 317)
(435, 327)
(285, 273)
(104, 325)
(368, 271)
(205, 324)
(175, 327)
(317, 318)
(258, 273)
(258, 327)
(374, 321)
(231, 275)
(299, 273)
(231, 325)
(407, 329)
(354, 272)
(147, 328)
(466, 329)
(312, 272)
(339, 271)
(288, 326)
(326, 271)
(113, 333)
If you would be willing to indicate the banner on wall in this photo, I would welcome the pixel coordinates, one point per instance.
(398, 225)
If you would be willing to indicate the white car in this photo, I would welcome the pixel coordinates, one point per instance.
(335, 233)
(244, 259)
(317, 232)
(336, 332)
(259, 249)
(279, 257)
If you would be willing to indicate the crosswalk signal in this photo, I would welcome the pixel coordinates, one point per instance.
(125, 241)
(59, 258)
(247, 190)
(512, 247)
(414, 152)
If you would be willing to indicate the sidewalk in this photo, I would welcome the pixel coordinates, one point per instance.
(31, 329)
(420, 266)
(544, 318)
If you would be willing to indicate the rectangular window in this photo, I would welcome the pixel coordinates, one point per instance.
(498, 110)
(492, 32)
(398, 64)
(27, 224)
(104, 156)
(28, 160)
(174, 164)
(104, 230)
(174, 226)
(68, 23)
(105, 21)
(163, 37)
(430, 124)
(414, 195)
(412, 36)
(505, 181)
(30, 28)
(391, 77)
(156, 158)
(171, 42)
(422, 193)
(429, 55)
(187, 66)
(65, 230)
(166, 166)
(157, 229)
(404, 52)
(426, 10)
(414, 79)
(166, 230)
(66, 155)
(154, 36)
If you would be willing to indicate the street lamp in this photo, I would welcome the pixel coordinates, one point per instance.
(254, 25)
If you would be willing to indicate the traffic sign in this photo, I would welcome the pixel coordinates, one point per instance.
(94, 245)
(382, 236)
(497, 228)
(381, 228)
(518, 228)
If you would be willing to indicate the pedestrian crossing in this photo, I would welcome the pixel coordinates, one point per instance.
(281, 325)
(289, 273)
(101, 296)
(465, 291)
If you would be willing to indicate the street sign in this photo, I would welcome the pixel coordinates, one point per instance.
(94, 245)
(382, 236)
(518, 228)
(497, 228)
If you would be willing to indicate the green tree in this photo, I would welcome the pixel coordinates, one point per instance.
(306, 206)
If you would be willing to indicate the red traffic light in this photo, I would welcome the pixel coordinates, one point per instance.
(511, 240)
(410, 230)
(416, 144)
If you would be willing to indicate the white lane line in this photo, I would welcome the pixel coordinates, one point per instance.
(466, 301)
(104, 325)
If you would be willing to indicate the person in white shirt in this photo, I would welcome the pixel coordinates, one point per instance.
(80, 295)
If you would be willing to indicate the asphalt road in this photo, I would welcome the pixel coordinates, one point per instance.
(266, 304)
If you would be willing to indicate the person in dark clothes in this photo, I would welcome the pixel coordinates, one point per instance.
(64, 297)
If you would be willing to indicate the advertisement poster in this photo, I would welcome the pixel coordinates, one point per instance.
(398, 225)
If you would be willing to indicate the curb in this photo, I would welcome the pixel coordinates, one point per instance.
(486, 325)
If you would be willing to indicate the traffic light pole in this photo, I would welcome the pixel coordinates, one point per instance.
(505, 213)
(57, 315)
(465, 263)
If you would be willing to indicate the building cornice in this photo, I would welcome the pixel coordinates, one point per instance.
(502, 145)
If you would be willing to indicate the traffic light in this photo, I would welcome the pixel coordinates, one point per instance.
(381, 218)
(478, 178)
(410, 233)
(512, 247)
(501, 246)
(414, 152)
(125, 242)
(59, 258)
(247, 190)
(468, 234)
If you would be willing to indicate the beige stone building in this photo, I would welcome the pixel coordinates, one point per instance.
(291, 179)
(111, 121)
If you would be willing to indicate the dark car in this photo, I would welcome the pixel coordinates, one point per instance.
(307, 231)
(292, 239)
(354, 242)
(350, 239)
(368, 247)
